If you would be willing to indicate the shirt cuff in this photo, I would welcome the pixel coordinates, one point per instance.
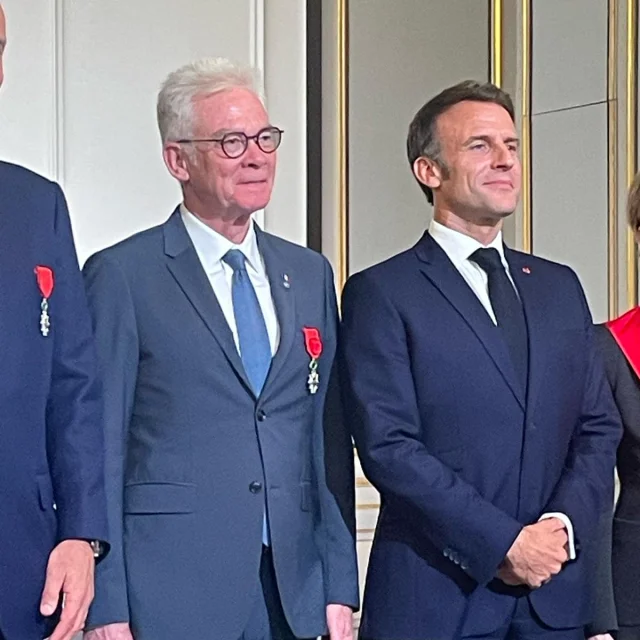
(568, 526)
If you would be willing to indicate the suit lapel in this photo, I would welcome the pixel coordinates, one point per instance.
(437, 267)
(283, 300)
(534, 304)
(185, 267)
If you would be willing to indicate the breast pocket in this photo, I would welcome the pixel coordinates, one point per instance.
(159, 497)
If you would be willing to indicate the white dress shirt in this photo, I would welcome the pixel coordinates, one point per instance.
(211, 247)
(459, 248)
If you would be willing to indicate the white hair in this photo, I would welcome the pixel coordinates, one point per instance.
(195, 80)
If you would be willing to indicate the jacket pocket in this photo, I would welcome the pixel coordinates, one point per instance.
(159, 497)
(45, 492)
(306, 498)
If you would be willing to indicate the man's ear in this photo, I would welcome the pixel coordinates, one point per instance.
(175, 158)
(427, 172)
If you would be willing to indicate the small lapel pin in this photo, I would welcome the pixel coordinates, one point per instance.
(526, 270)
(285, 281)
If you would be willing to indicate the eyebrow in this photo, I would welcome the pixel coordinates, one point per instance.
(222, 132)
(488, 139)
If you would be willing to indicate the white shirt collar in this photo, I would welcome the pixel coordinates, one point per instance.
(459, 246)
(211, 246)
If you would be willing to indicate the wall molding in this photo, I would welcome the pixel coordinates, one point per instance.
(612, 159)
(57, 124)
(256, 35)
(526, 37)
(631, 142)
(343, 142)
(497, 41)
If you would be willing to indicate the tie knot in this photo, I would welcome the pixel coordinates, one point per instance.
(487, 259)
(235, 259)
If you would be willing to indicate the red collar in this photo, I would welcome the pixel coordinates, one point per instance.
(626, 331)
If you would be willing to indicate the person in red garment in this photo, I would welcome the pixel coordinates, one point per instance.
(617, 577)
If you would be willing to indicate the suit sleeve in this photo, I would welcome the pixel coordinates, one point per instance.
(382, 410)
(334, 468)
(601, 585)
(115, 330)
(74, 407)
(585, 489)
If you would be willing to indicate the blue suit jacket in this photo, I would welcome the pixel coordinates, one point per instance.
(51, 453)
(461, 456)
(187, 440)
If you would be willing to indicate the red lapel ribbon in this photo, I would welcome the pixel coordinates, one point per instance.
(312, 342)
(626, 331)
(44, 276)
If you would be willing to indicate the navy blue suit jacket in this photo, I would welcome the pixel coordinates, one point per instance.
(191, 450)
(51, 453)
(461, 456)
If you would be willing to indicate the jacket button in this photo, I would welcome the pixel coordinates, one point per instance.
(255, 487)
(262, 416)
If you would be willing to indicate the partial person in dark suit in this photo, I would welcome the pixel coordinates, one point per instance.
(52, 503)
(617, 578)
(230, 474)
(478, 403)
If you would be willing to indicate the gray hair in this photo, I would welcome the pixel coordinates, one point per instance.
(198, 79)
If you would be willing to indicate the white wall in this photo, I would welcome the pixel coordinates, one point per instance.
(79, 100)
(401, 55)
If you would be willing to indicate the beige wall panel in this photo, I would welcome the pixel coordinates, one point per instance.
(570, 195)
(401, 54)
(27, 119)
(114, 62)
(78, 104)
(569, 53)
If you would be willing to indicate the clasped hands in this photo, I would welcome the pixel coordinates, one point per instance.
(537, 555)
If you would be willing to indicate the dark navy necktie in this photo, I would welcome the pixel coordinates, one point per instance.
(253, 338)
(507, 309)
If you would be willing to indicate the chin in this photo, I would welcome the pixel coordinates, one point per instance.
(504, 208)
(253, 206)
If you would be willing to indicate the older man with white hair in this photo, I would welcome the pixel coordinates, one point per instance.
(230, 475)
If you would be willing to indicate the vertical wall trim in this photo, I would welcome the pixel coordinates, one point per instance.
(256, 34)
(527, 218)
(343, 141)
(256, 57)
(612, 158)
(631, 146)
(57, 139)
(496, 42)
(314, 125)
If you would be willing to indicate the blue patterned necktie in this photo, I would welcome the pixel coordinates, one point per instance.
(507, 308)
(253, 338)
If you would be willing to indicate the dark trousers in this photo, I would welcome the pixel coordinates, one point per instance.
(267, 620)
(524, 624)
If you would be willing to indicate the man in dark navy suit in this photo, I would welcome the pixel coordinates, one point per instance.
(52, 502)
(478, 403)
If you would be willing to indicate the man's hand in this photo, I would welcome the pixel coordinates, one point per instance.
(537, 554)
(339, 621)
(117, 631)
(70, 572)
(602, 636)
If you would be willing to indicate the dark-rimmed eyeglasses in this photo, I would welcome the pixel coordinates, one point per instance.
(235, 143)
